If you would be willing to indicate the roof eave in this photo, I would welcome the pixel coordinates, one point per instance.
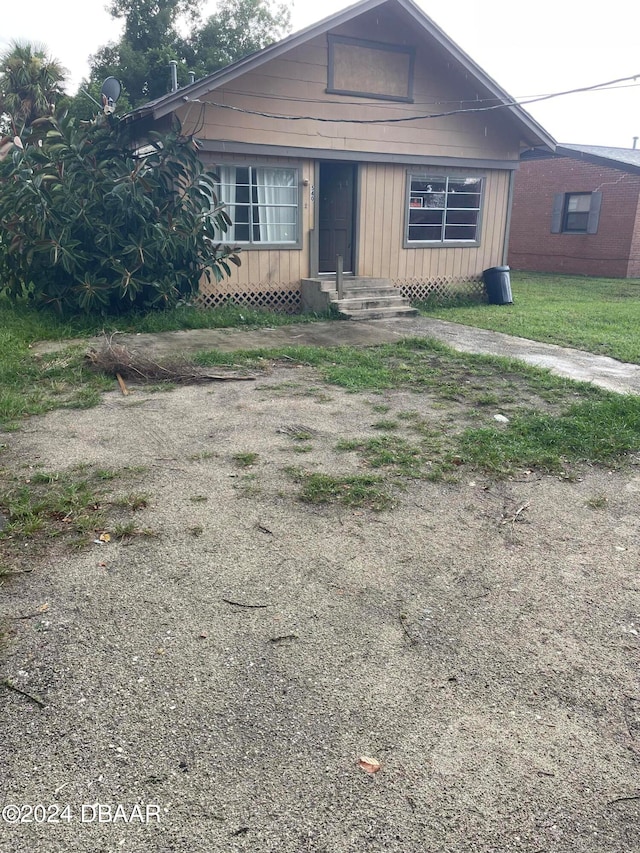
(597, 160)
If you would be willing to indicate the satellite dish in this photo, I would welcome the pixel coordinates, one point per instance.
(111, 89)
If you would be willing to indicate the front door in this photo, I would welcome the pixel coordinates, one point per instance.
(335, 215)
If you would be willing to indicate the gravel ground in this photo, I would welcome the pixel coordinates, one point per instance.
(484, 654)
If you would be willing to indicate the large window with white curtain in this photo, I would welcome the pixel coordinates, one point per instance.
(262, 202)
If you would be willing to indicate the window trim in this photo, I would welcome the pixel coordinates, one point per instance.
(441, 244)
(371, 45)
(250, 245)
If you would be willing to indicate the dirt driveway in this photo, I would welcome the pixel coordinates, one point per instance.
(479, 639)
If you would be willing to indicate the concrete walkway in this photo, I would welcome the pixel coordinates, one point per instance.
(563, 361)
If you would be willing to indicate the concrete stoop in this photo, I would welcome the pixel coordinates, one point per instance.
(363, 298)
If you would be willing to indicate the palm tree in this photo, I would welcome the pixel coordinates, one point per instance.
(30, 83)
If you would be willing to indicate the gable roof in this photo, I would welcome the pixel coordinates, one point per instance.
(533, 132)
(624, 159)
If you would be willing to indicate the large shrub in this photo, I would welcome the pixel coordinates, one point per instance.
(89, 224)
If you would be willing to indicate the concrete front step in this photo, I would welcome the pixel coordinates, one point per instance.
(366, 293)
(378, 313)
(350, 303)
(363, 298)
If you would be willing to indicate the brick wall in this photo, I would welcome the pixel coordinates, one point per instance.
(613, 252)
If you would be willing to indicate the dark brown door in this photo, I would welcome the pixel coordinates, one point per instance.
(337, 182)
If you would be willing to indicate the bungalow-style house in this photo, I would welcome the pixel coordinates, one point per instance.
(369, 135)
(577, 211)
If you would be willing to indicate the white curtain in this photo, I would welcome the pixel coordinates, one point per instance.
(227, 195)
(277, 205)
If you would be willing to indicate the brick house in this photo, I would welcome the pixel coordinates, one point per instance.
(577, 211)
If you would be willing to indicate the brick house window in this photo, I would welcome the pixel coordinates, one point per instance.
(576, 213)
(442, 209)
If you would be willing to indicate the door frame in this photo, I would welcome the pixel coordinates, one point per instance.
(314, 242)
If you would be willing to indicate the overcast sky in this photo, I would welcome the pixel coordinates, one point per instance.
(529, 49)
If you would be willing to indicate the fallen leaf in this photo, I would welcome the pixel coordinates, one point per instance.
(43, 608)
(105, 537)
(369, 765)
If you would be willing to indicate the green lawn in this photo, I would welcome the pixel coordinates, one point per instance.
(597, 315)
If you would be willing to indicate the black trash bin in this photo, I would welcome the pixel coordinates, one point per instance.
(498, 283)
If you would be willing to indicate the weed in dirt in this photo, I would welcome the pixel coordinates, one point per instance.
(198, 499)
(196, 530)
(134, 469)
(380, 408)
(599, 501)
(133, 501)
(388, 451)
(54, 503)
(302, 448)
(248, 486)
(246, 459)
(107, 474)
(67, 505)
(129, 530)
(488, 399)
(203, 456)
(385, 425)
(364, 490)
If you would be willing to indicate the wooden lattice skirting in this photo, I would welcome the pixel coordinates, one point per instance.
(442, 289)
(285, 299)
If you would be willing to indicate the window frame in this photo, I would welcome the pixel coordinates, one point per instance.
(405, 50)
(566, 213)
(252, 245)
(560, 210)
(442, 243)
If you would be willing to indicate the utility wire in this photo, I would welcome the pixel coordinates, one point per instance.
(398, 106)
(501, 105)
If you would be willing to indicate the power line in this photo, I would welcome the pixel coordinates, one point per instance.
(537, 99)
(398, 106)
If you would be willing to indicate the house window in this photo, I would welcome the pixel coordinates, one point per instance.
(443, 209)
(262, 202)
(576, 213)
(370, 69)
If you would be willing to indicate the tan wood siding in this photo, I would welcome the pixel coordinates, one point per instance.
(295, 85)
(382, 223)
